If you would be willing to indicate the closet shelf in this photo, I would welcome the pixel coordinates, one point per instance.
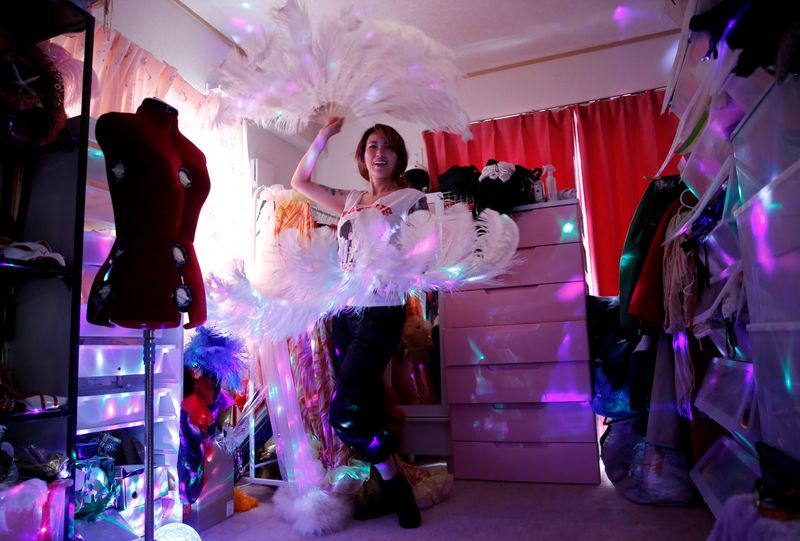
(25, 19)
(112, 341)
(34, 415)
(12, 269)
(119, 426)
(162, 387)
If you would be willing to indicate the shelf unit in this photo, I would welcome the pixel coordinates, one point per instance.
(41, 302)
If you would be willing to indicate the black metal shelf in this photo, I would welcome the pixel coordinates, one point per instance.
(52, 211)
(34, 415)
(12, 270)
(26, 20)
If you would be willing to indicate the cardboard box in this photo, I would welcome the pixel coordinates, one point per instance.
(215, 503)
(131, 479)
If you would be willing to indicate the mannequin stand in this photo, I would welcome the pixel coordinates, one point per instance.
(149, 363)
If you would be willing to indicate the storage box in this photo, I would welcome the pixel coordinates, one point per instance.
(112, 410)
(722, 246)
(97, 360)
(545, 382)
(556, 223)
(215, 503)
(725, 470)
(555, 422)
(768, 224)
(541, 265)
(726, 393)
(719, 336)
(766, 141)
(707, 160)
(131, 479)
(513, 344)
(777, 371)
(528, 462)
(515, 305)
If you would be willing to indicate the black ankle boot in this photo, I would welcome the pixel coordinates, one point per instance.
(399, 493)
(376, 504)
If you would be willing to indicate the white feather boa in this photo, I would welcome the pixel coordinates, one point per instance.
(299, 282)
(295, 72)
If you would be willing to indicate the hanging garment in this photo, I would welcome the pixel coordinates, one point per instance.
(654, 203)
(647, 301)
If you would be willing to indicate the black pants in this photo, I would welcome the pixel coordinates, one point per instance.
(364, 342)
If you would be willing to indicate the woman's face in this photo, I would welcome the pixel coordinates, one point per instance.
(379, 157)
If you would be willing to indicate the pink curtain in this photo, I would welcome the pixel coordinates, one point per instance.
(530, 140)
(126, 73)
(621, 140)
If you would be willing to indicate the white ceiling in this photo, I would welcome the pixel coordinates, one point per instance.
(484, 34)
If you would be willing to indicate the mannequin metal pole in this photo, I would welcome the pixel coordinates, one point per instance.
(149, 362)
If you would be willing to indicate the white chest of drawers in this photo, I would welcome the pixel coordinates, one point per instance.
(516, 360)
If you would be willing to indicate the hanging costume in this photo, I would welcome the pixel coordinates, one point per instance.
(158, 183)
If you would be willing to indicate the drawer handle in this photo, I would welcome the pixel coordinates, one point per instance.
(500, 406)
(526, 445)
(502, 289)
(499, 367)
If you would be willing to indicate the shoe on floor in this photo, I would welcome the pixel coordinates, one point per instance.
(399, 493)
(32, 251)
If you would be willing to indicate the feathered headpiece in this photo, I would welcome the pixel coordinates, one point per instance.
(218, 356)
(344, 66)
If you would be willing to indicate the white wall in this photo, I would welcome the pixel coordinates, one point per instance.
(276, 157)
(171, 34)
(598, 74)
(177, 38)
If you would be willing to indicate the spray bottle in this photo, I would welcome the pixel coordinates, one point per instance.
(549, 179)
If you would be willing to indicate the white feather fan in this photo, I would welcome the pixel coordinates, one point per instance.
(299, 282)
(295, 72)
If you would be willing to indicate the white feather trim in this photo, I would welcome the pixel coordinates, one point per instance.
(315, 513)
(299, 282)
(351, 65)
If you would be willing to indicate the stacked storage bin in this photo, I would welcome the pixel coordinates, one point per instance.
(516, 359)
(767, 154)
(752, 129)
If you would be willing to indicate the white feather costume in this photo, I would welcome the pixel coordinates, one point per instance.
(297, 283)
(295, 72)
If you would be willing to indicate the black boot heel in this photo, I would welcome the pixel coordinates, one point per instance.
(400, 494)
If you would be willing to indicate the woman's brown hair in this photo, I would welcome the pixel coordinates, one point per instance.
(398, 146)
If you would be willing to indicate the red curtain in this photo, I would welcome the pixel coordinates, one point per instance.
(621, 140)
(530, 140)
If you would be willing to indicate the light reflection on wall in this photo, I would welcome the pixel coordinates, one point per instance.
(570, 291)
(565, 347)
(569, 231)
(759, 226)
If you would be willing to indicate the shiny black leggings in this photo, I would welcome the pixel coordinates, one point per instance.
(364, 342)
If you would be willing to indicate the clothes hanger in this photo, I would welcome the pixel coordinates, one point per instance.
(684, 204)
(697, 210)
(664, 182)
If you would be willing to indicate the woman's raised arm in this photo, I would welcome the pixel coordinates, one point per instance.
(330, 198)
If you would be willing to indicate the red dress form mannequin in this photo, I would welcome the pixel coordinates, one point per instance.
(158, 182)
